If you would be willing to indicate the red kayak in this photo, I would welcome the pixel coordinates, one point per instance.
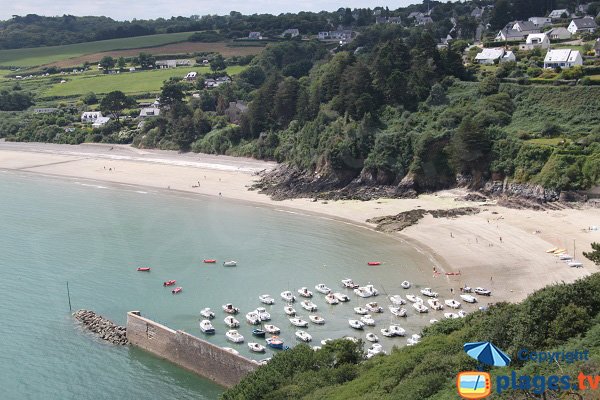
(210, 261)
(177, 290)
(169, 283)
(144, 269)
(373, 263)
(452, 273)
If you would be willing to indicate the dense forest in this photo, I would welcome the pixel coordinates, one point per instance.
(558, 318)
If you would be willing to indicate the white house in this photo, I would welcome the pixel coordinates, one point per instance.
(292, 32)
(536, 40)
(149, 112)
(540, 21)
(191, 76)
(559, 33)
(490, 56)
(100, 122)
(582, 25)
(508, 56)
(254, 36)
(89, 117)
(564, 58)
(557, 14)
(508, 35)
(323, 35)
(172, 63)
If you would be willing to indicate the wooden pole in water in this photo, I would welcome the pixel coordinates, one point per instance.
(69, 297)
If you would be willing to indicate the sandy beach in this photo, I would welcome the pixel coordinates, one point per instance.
(500, 248)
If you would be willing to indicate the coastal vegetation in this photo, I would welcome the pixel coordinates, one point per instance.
(594, 255)
(563, 317)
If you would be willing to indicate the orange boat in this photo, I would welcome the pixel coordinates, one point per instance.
(374, 263)
(169, 283)
(144, 269)
(177, 290)
(210, 261)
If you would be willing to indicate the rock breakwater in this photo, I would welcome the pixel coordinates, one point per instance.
(103, 328)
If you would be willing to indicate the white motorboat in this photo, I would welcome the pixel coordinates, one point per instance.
(397, 311)
(466, 289)
(375, 350)
(411, 342)
(325, 341)
(462, 313)
(351, 339)
(232, 351)
(331, 299)
(304, 292)
(367, 320)
(289, 310)
(349, 283)
(374, 307)
(272, 329)
(420, 307)
(468, 298)
(565, 257)
(341, 297)
(452, 303)
(371, 337)
(428, 292)
(207, 313)
(316, 319)
(405, 284)
(321, 288)
(230, 309)
(435, 304)
(433, 321)
(253, 318)
(234, 336)
(414, 299)
(397, 300)
(206, 326)
(316, 348)
(288, 296)
(264, 361)
(298, 322)
(231, 322)
(230, 263)
(266, 299)
(356, 324)
(397, 330)
(481, 291)
(255, 347)
(361, 310)
(451, 315)
(263, 314)
(575, 264)
(366, 291)
(387, 333)
(303, 336)
(308, 305)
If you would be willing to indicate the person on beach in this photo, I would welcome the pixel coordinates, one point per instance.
(452, 290)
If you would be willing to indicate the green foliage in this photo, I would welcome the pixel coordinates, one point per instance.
(206, 37)
(218, 63)
(115, 102)
(15, 100)
(470, 148)
(594, 255)
(107, 62)
(90, 98)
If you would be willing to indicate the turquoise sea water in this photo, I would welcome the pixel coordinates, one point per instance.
(94, 236)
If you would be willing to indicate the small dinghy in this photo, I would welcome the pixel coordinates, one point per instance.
(453, 273)
(451, 315)
(462, 313)
(371, 337)
(351, 338)
(321, 288)
(234, 336)
(258, 332)
(397, 300)
(393, 330)
(433, 321)
(367, 320)
(230, 263)
(316, 348)
(231, 322)
(169, 283)
(374, 307)
(303, 336)
(177, 290)
(361, 310)
(206, 327)
(397, 311)
(230, 309)
(298, 322)
(428, 292)
(452, 303)
(366, 291)
(356, 324)
(304, 292)
(263, 314)
(308, 305)
(413, 299)
(575, 264)
(349, 283)
(466, 289)
(144, 269)
(275, 342)
(375, 350)
(341, 297)
(405, 284)
(288, 296)
(209, 261)
(412, 341)
(565, 257)
(325, 341)
(374, 263)
(255, 347)
(289, 310)
(272, 329)
(316, 319)
(253, 318)
(481, 291)
(266, 299)
(420, 307)
(207, 313)
(331, 299)
(435, 304)
(232, 351)
(468, 298)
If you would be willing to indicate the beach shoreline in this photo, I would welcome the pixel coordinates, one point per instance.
(499, 248)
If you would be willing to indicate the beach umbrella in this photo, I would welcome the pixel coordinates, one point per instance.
(487, 353)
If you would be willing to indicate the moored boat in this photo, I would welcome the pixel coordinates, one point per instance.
(304, 292)
(321, 288)
(263, 314)
(374, 307)
(366, 291)
(325, 341)
(169, 283)
(356, 324)
(272, 329)
(253, 318)
(435, 304)
(397, 311)
(289, 310)
(209, 261)
(177, 290)
(303, 336)
(433, 321)
(308, 305)
(255, 347)
(361, 310)
(574, 263)
(428, 292)
(275, 342)
(452, 303)
(331, 299)
(207, 313)
(144, 269)
(230, 309)
(462, 313)
(231, 322)
(234, 336)
(468, 298)
(451, 315)
(341, 297)
(371, 337)
(288, 296)
(405, 284)
(206, 327)
(374, 263)
(230, 263)
(316, 319)
(393, 330)
(266, 299)
(349, 284)
(420, 307)
(298, 322)
(367, 320)
(397, 300)
(258, 332)
(414, 299)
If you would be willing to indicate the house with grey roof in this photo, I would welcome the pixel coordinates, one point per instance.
(559, 33)
(388, 20)
(148, 112)
(477, 13)
(563, 58)
(558, 14)
(579, 25)
(525, 27)
(509, 35)
(490, 56)
(540, 22)
(597, 47)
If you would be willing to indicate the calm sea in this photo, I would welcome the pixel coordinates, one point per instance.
(94, 235)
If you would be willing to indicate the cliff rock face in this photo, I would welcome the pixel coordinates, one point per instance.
(526, 191)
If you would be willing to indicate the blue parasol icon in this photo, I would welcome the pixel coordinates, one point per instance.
(487, 353)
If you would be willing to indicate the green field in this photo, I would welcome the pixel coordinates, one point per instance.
(130, 83)
(45, 55)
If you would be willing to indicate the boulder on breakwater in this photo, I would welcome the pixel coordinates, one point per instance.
(103, 328)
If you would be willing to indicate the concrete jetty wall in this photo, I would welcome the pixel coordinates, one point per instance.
(187, 351)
